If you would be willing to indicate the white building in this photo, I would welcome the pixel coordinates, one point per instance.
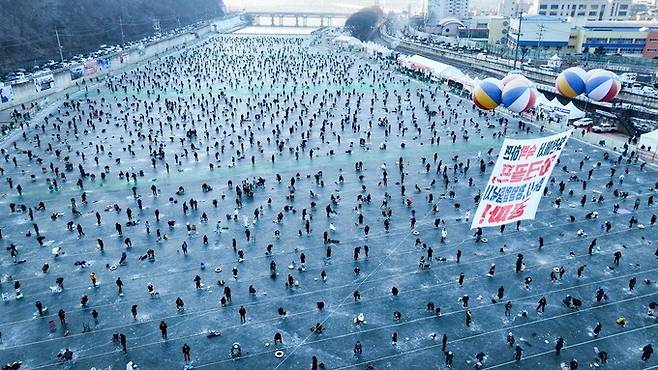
(440, 9)
(510, 8)
(540, 31)
(591, 10)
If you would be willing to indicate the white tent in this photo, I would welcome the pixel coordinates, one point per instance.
(574, 112)
(649, 140)
(556, 104)
(438, 69)
(374, 48)
(542, 99)
(570, 110)
(347, 40)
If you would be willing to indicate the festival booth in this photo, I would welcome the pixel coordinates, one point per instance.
(432, 68)
(574, 112)
(376, 50)
(559, 112)
(471, 83)
(347, 41)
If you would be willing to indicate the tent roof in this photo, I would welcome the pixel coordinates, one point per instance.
(542, 99)
(652, 135)
(574, 112)
(435, 68)
(556, 103)
(377, 48)
(345, 39)
(650, 140)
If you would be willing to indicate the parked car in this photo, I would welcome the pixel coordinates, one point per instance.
(583, 122)
(604, 127)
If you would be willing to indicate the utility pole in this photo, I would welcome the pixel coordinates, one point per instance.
(518, 36)
(541, 34)
(123, 36)
(59, 46)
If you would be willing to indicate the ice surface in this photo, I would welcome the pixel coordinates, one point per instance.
(302, 81)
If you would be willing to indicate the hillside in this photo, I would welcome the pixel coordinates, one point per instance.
(365, 23)
(28, 26)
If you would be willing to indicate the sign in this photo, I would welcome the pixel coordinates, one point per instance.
(44, 82)
(76, 71)
(562, 110)
(123, 58)
(518, 180)
(6, 94)
(91, 67)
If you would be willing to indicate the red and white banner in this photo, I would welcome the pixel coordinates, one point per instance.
(518, 180)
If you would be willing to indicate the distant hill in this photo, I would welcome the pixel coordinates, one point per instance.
(27, 34)
(365, 23)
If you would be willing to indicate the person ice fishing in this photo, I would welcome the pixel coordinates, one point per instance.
(163, 329)
(358, 349)
(647, 351)
(186, 352)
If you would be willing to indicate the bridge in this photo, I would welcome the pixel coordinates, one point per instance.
(278, 19)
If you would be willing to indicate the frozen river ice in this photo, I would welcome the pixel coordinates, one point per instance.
(242, 110)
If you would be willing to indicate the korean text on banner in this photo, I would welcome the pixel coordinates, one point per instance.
(518, 180)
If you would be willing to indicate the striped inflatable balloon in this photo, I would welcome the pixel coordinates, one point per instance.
(571, 82)
(487, 93)
(602, 85)
(519, 95)
(511, 76)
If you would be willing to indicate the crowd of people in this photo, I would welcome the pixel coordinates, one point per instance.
(250, 188)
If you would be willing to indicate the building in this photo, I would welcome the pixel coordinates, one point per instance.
(549, 33)
(541, 36)
(591, 10)
(510, 8)
(620, 10)
(498, 29)
(441, 9)
(641, 11)
(630, 38)
(475, 27)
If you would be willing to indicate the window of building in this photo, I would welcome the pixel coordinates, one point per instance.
(582, 6)
(594, 6)
(591, 14)
(542, 6)
(581, 14)
(541, 12)
(623, 6)
(622, 14)
(554, 6)
(552, 13)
